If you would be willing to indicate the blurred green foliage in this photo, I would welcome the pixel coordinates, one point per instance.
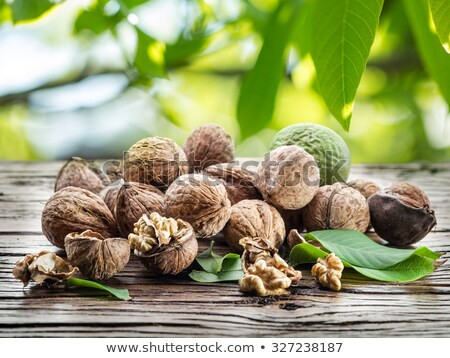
(253, 66)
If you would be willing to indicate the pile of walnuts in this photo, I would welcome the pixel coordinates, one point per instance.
(161, 198)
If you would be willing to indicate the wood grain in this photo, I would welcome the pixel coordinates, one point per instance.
(179, 307)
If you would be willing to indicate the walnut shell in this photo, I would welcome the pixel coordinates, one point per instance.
(156, 161)
(134, 200)
(109, 195)
(401, 214)
(366, 187)
(80, 173)
(238, 181)
(96, 257)
(208, 145)
(337, 207)
(288, 177)
(174, 246)
(254, 219)
(75, 210)
(201, 201)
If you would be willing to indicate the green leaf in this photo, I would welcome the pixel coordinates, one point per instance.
(95, 21)
(440, 10)
(259, 88)
(411, 269)
(149, 56)
(434, 57)
(203, 276)
(120, 294)
(305, 253)
(342, 36)
(213, 263)
(133, 3)
(231, 262)
(359, 250)
(26, 10)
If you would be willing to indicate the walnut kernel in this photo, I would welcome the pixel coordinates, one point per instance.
(328, 272)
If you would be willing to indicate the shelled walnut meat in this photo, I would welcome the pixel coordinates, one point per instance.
(81, 173)
(208, 145)
(164, 245)
(328, 272)
(75, 210)
(288, 177)
(97, 257)
(134, 200)
(337, 207)
(238, 181)
(401, 214)
(157, 161)
(256, 219)
(201, 201)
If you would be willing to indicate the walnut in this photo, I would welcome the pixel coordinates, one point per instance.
(288, 177)
(75, 210)
(328, 272)
(366, 187)
(96, 257)
(109, 195)
(81, 173)
(264, 280)
(254, 218)
(401, 214)
(238, 181)
(155, 160)
(201, 201)
(43, 268)
(294, 238)
(208, 145)
(134, 200)
(164, 245)
(337, 207)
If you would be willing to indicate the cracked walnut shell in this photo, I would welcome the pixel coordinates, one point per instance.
(208, 145)
(75, 210)
(164, 245)
(254, 218)
(288, 177)
(337, 207)
(96, 257)
(201, 201)
(43, 268)
(328, 271)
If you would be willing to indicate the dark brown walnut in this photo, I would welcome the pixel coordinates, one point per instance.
(337, 206)
(75, 210)
(109, 195)
(288, 177)
(157, 161)
(164, 245)
(96, 257)
(81, 173)
(238, 181)
(293, 219)
(401, 214)
(44, 268)
(208, 145)
(135, 200)
(366, 187)
(201, 201)
(254, 218)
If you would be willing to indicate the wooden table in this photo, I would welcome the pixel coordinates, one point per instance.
(177, 307)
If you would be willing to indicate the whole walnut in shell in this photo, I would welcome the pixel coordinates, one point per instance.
(156, 161)
(109, 195)
(207, 145)
(401, 214)
(80, 173)
(75, 210)
(201, 201)
(96, 257)
(238, 181)
(366, 187)
(337, 207)
(288, 177)
(254, 219)
(165, 246)
(134, 200)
